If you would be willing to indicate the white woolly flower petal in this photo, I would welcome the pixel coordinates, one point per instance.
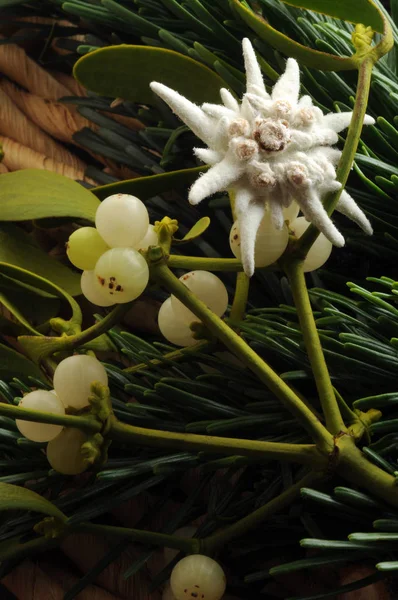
(348, 207)
(228, 100)
(332, 185)
(252, 68)
(216, 179)
(330, 154)
(313, 210)
(300, 140)
(305, 102)
(259, 91)
(246, 110)
(208, 156)
(276, 210)
(250, 211)
(288, 85)
(323, 137)
(340, 121)
(201, 124)
(368, 120)
(218, 111)
(220, 135)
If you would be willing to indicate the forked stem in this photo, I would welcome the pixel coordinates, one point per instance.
(162, 274)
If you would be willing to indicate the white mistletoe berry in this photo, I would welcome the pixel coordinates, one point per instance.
(269, 150)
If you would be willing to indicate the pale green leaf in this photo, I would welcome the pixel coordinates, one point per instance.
(147, 187)
(17, 248)
(356, 11)
(13, 497)
(197, 230)
(13, 364)
(28, 308)
(126, 71)
(305, 55)
(35, 194)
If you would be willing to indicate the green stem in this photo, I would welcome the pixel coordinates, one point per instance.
(349, 416)
(205, 264)
(330, 407)
(162, 274)
(242, 281)
(15, 549)
(187, 545)
(361, 427)
(305, 454)
(358, 470)
(111, 319)
(87, 424)
(40, 348)
(348, 154)
(240, 299)
(219, 540)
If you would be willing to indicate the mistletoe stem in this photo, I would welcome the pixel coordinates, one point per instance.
(40, 348)
(220, 539)
(358, 470)
(162, 274)
(205, 264)
(187, 545)
(349, 416)
(240, 299)
(111, 319)
(330, 407)
(87, 424)
(305, 454)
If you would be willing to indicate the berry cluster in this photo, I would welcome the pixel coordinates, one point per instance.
(114, 271)
(271, 243)
(174, 318)
(72, 387)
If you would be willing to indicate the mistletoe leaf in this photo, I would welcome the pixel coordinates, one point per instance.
(196, 231)
(36, 194)
(147, 187)
(18, 249)
(13, 497)
(28, 307)
(13, 364)
(305, 55)
(355, 11)
(126, 71)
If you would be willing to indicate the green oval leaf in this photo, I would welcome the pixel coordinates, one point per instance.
(35, 194)
(27, 308)
(197, 230)
(147, 187)
(33, 281)
(18, 249)
(356, 11)
(13, 364)
(305, 55)
(126, 71)
(13, 497)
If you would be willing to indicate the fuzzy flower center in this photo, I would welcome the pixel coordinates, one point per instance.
(266, 136)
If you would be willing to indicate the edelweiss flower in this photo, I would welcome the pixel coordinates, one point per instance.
(269, 150)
